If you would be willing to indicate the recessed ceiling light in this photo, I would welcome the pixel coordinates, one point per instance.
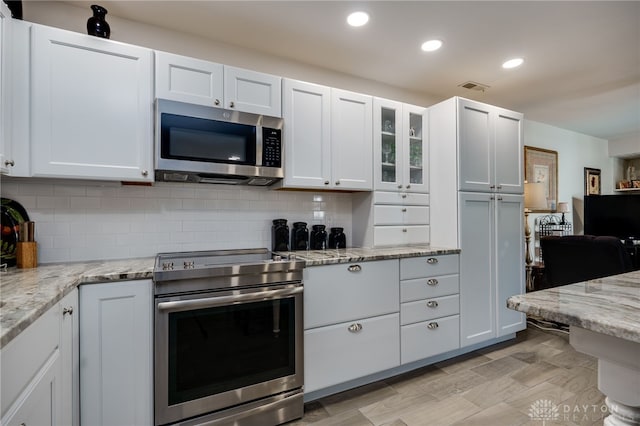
(513, 63)
(358, 19)
(431, 45)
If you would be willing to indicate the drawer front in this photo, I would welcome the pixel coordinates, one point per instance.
(334, 354)
(423, 310)
(348, 291)
(401, 215)
(428, 266)
(419, 341)
(407, 199)
(425, 288)
(400, 235)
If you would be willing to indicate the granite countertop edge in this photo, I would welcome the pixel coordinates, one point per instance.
(26, 294)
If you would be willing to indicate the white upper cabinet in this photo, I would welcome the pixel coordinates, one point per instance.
(488, 135)
(327, 137)
(5, 88)
(190, 80)
(92, 107)
(400, 147)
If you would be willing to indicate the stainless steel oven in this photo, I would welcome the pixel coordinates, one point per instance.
(228, 338)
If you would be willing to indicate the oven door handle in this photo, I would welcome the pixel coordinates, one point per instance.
(209, 302)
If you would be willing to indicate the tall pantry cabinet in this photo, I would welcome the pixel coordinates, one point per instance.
(477, 184)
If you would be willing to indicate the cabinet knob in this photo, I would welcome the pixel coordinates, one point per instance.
(356, 327)
(232, 104)
(432, 325)
(408, 186)
(399, 186)
(499, 198)
(404, 210)
(216, 102)
(9, 163)
(499, 187)
(404, 195)
(404, 229)
(432, 281)
(492, 198)
(145, 173)
(432, 304)
(492, 187)
(326, 182)
(337, 182)
(432, 261)
(68, 310)
(354, 268)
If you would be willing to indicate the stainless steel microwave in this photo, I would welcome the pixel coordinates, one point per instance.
(195, 143)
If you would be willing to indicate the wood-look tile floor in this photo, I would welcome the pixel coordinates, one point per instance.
(494, 386)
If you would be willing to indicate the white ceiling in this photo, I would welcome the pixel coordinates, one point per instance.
(582, 59)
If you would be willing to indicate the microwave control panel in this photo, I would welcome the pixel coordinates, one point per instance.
(271, 147)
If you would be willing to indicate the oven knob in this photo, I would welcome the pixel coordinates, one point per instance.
(167, 265)
(188, 264)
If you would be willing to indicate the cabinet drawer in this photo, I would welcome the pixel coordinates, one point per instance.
(405, 198)
(334, 354)
(425, 288)
(428, 266)
(423, 310)
(348, 291)
(401, 215)
(429, 338)
(400, 235)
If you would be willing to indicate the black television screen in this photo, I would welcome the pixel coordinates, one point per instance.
(616, 215)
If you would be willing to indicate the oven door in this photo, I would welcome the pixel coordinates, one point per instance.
(219, 349)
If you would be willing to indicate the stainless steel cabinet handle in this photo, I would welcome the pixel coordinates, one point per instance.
(326, 182)
(404, 195)
(404, 229)
(492, 198)
(432, 281)
(432, 325)
(232, 105)
(337, 182)
(68, 310)
(145, 173)
(216, 102)
(399, 186)
(9, 163)
(432, 261)
(354, 328)
(408, 186)
(432, 304)
(354, 268)
(404, 210)
(499, 187)
(499, 198)
(492, 187)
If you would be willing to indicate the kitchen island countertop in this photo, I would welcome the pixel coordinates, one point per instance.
(25, 294)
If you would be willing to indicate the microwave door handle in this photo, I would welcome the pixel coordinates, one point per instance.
(259, 148)
(210, 302)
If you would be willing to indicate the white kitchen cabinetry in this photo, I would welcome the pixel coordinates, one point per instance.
(190, 80)
(40, 369)
(6, 44)
(116, 353)
(327, 137)
(92, 107)
(400, 147)
(429, 310)
(490, 148)
(351, 312)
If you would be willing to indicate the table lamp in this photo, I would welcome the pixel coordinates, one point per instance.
(563, 208)
(534, 199)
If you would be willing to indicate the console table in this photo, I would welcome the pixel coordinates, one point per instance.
(604, 321)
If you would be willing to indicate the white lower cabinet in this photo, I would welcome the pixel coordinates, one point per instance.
(39, 369)
(429, 338)
(116, 353)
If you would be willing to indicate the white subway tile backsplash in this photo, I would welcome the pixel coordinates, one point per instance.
(83, 221)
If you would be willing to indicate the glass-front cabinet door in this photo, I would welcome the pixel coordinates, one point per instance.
(400, 150)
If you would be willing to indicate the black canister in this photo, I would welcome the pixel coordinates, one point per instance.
(318, 238)
(280, 235)
(299, 236)
(337, 239)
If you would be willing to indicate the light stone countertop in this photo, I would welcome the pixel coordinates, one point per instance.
(25, 294)
(609, 305)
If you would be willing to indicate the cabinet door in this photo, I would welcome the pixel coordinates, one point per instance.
(510, 271)
(387, 145)
(69, 354)
(307, 134)
(509, 173)
(189, 80)
(252, 91)
(477, 260)
(116, 354)
(416, 149)
(92, 107)
(5, 88)
(351, 143)
(476, 146)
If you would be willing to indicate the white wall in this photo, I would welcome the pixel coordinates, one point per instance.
(85, 221)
